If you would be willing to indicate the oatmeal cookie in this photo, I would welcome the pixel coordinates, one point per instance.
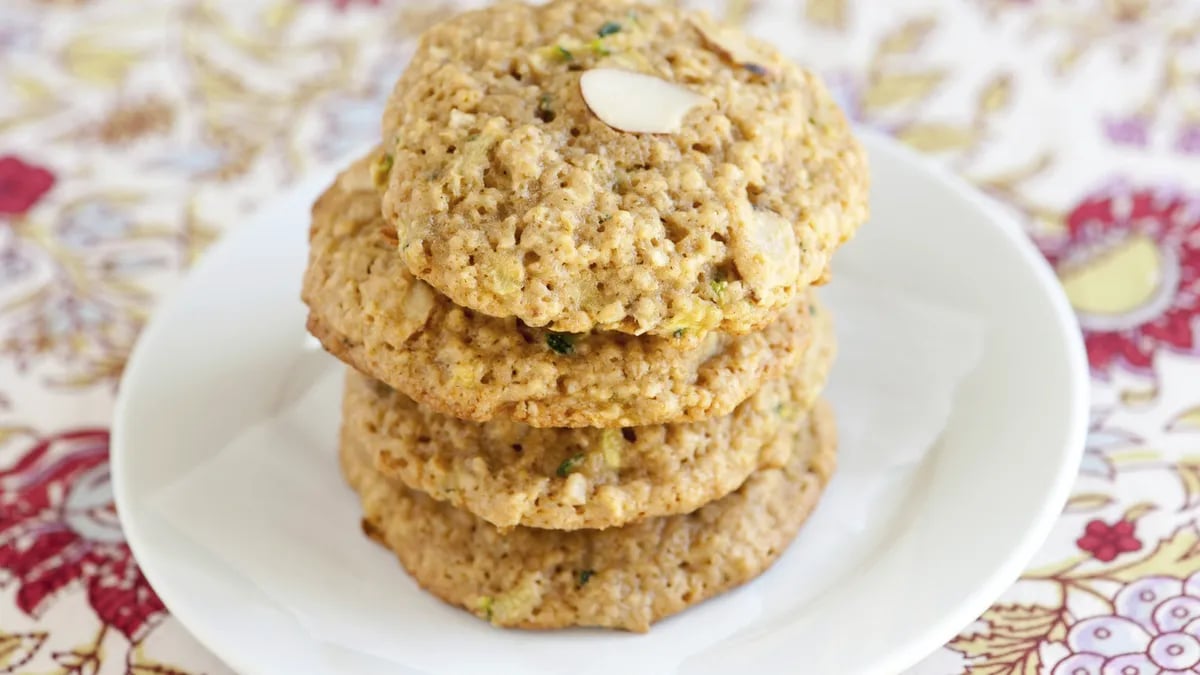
(525, 179)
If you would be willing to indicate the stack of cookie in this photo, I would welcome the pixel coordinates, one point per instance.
(573, 287)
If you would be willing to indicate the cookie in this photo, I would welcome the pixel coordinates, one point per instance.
(369, 311)
(626, 577)
(525, 179)
(508, 473)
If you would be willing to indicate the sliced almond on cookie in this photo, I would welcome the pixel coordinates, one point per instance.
(731, 45)
(418, 302)
(765, 251)
(637, 103)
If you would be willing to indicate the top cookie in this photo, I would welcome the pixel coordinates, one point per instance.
(603, 165)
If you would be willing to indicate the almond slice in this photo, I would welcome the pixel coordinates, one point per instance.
(765, 250)
(418, 303)
(637, 103)
(732, 45)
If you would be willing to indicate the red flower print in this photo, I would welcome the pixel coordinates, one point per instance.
(1130, 262)
(21, 185)
(59, 529)
(1106, 542)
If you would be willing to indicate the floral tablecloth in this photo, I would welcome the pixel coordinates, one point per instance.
(134, 132)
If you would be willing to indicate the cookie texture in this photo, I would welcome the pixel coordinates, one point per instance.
(368, 310)
(509, 473)
(625, 577)
(514, 197)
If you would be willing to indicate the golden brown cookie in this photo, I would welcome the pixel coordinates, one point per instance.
(524, 178)
(626, 577)
(508, 473)
(369, 311)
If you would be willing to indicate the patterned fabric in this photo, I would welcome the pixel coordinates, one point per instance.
(133, 132)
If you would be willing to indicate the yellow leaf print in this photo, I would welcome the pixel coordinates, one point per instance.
(937, 137)
(906, 38)
(1186, 33)
(1188, 420)
(1068, 59)
(1138, 510)
(1135, 456)
(1178, 556)
(104, 369)
(89, 59)
(996, 94)
(886, 91)
(1087, 501)
(17, 649)
(1009, 643)
(828, 13)
(79, 661)
(7, 432)
(1117, 281)
(28, 88)
(279, 14)
(1189, 475)
(1137, 397)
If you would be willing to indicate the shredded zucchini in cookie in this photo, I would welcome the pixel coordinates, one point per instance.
(719, 286)
(483, 606)
(568, 49)
(505, 275)
(561, 343)
(698, 315)
(380, 169)
(787, 411)
(556, 53)
(583, 576)
(516, 604)
(464, 374)
(610, 448)
(545, 110)
(570, 465)
(609, 28)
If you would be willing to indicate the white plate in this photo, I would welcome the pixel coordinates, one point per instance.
(219, 356)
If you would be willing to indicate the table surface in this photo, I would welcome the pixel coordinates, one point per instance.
(133, 133)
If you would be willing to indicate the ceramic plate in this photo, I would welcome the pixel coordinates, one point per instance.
(228, 350)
